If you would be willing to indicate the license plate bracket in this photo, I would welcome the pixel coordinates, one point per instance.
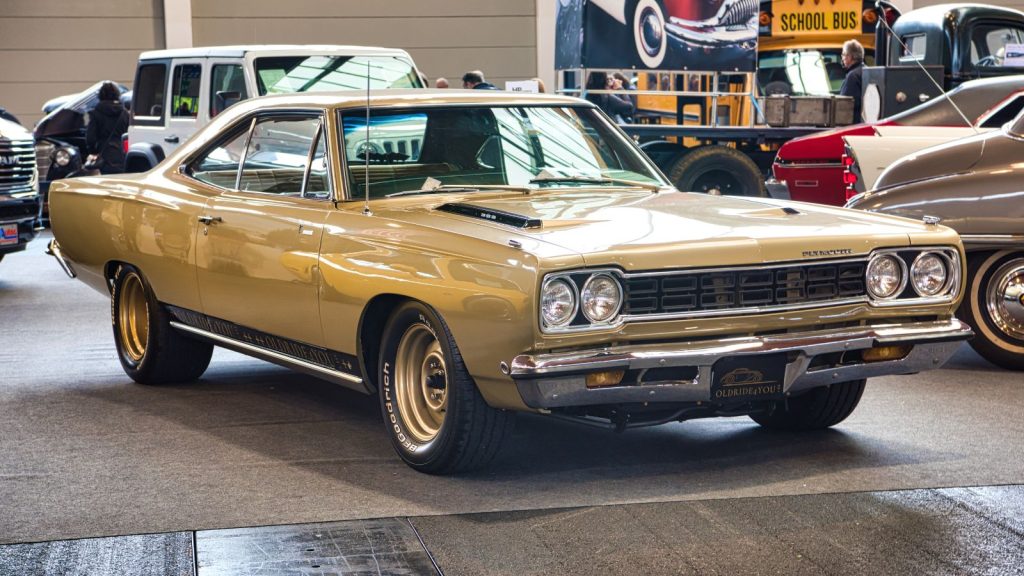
(748, 378)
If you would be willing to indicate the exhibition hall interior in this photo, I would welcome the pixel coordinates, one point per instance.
(511, 287)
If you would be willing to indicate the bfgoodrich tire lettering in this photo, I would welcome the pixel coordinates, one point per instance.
(820, 408)
(150, 350)
(433, 412)
(998, 332)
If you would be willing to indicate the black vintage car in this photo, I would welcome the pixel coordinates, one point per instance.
(60, 140)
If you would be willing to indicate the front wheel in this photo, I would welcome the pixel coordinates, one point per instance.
(994, 306)
(820, 408)
(437, 420)
(150, 350)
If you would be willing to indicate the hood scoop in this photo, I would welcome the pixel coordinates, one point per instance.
(491, 215)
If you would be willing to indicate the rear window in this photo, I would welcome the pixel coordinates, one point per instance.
(319, 73)
(148, 98)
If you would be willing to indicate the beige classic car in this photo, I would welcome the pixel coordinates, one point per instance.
(468, 255)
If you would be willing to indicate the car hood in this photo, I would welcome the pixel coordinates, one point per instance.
(641, 230)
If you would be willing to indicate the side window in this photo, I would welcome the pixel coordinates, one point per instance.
(149, 91)
(318, 183)
(185, 90)
(1007, 111)
(989, 43)
(916, 48)
(275, 160)
(219, 165)
(227, 86)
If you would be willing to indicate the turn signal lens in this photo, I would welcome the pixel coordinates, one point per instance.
(870, 16)
(883, 353)
(608, 378)
(764, 19)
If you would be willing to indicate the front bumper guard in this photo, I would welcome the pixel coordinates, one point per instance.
(558, 380)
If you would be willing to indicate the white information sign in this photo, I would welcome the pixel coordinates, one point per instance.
(1014, 55)
(522, 86)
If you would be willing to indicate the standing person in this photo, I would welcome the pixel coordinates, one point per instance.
(623, 83)
(618, 107)
(108, 122)
(853, 62)
(441, 82)
(474, 80)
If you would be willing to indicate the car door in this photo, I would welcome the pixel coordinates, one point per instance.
(184, 113)
(257, 250)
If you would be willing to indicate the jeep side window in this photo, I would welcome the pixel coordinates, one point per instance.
(227, 86)
(185, 90)
(149, 91)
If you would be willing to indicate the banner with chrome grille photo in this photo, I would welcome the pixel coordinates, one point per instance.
(698, 35)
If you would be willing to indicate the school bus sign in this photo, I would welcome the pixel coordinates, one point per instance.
(815, 17)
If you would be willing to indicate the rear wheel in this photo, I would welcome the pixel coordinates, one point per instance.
(994, 306)
(717, 168)
(820, 408)
(150, 350)
(437, 420)
(648, 26)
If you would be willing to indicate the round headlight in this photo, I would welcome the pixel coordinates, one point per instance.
(62, 157)
(558, 302)
(929, 274)
(601, 298)
(885, 276)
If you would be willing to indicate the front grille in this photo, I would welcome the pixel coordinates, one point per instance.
(17, 165)
(739, 12)
(44, 153)
(736, 289)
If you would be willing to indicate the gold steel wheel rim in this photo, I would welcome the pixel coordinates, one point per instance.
(133, 317)
(421, 383)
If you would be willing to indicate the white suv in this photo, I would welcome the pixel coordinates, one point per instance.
(176, 92)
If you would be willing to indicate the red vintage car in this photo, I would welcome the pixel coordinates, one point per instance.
(810, 169)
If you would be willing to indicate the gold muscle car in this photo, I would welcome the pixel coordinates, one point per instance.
(468, 255)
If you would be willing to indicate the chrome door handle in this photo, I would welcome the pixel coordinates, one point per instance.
(210, 219)
(171, 139)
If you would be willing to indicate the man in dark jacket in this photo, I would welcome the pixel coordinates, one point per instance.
(108, 122)
(475, 81)
(853, 62)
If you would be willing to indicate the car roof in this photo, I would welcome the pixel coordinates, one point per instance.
(397, 98)
(240, 51)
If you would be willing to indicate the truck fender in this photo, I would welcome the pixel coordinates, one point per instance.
(142, 157)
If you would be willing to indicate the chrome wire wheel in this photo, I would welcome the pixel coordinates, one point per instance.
(421, 383)
(1004, 298)
(133, 317)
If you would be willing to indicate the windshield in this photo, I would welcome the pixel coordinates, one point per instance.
(536, 146)
(811, 72)
(287, 74)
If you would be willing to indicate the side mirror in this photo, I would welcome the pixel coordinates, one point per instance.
(224, 98)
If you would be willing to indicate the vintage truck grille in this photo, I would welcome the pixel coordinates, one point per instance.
(44, 151)
(17, 164)
(739, 12)
(724, 290)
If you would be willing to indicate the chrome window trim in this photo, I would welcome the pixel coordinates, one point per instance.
(951, 253)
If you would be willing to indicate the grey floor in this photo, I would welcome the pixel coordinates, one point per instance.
(929, 467)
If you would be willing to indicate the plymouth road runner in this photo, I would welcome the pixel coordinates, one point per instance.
(468, 255)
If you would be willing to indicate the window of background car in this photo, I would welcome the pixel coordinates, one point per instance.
(227, 86)
(277, 154)
(1004, 113)
(218, 165)
(287, 74)
(185, 90)
(468, 145)
(989, 41)
(917, 48)
(149, 91)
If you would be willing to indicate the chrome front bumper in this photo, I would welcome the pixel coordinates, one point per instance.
(559, 379)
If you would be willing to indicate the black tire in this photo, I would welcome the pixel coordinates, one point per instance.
(815, 410)
(150, 350)
(469, 433)
(999, 342)
(726, 169)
